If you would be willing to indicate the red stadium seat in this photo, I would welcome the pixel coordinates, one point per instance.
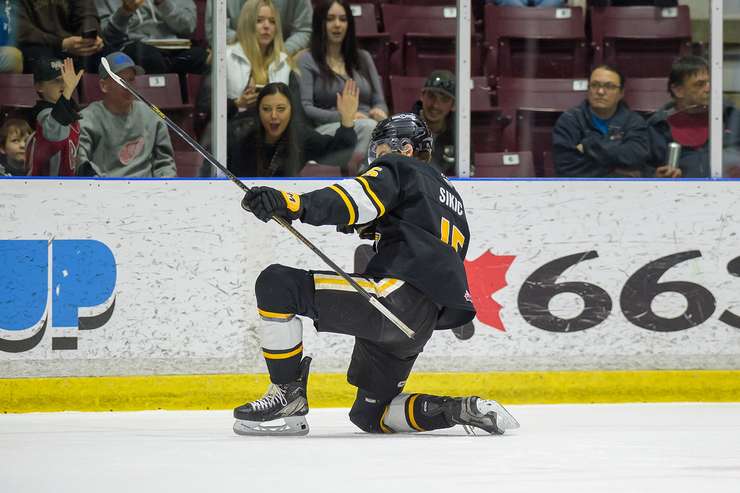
(313, 168)
(199, 36)
(646, 95)
(504, 165)
(370, 38)
(17, 91)
(535, 43)
(534, 105)
(423, 39)
(641, 41)
(188, 163)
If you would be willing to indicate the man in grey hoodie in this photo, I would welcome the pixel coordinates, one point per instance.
(295, 19)
(133, 26)
(120, 136)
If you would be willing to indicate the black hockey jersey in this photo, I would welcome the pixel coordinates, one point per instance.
(420, 219)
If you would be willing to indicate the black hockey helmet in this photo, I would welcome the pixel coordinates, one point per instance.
(398, 131)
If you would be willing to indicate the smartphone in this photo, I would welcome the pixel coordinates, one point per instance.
(91, 34)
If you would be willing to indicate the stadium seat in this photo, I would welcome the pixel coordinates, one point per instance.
(504, 165)
(535, 42)
(641, 41)
(423, 39)
(548, 164)
(646, 95)
(161, 90)
(313, 168)
(188, 163)
(199, 36)
(17, 91)
(533, 106)
(370, 38)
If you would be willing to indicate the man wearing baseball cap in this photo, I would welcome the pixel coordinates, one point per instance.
(121, 136)
(437, 108)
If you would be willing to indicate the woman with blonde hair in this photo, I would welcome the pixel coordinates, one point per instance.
(257, 56)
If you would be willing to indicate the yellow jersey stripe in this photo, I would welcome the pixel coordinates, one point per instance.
(412, 420)
(282, 316)
(324, 281)
(383, 427)
(344, 198)
(375, 199)
(296, 351)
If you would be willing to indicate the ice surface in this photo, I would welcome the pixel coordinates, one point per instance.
(559, 448)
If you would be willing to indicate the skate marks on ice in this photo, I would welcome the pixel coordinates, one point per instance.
(558, 449)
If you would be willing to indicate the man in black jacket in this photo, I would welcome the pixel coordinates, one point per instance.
(601, 137)
(437, 108)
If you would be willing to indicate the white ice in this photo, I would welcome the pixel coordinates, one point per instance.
(628, 448)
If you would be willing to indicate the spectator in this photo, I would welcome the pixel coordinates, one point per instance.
(51, 151)
(601, 137)
(437, 109)
(257, 56)
(283, 144)
(333, 60)
(528, 3)
(11, 58)
(685, 120)
(121, 136)
(137, 27)
(13, 136)
(57, 29)
(295, 19)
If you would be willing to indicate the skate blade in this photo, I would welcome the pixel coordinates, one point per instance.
(292, 426)
(504, 420)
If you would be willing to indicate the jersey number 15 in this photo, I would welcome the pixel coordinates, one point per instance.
(457, 240)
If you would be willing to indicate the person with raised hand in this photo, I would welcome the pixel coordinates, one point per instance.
(283, 144)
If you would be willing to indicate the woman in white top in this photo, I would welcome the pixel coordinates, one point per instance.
(257, 56)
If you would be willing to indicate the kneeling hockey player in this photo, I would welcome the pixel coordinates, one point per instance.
(421, 235)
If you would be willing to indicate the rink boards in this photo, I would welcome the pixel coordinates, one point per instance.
(590, 284)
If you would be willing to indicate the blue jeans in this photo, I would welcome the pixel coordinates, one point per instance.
(529, 3)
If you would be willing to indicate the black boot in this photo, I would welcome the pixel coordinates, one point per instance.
(286, 402)
(474, 412)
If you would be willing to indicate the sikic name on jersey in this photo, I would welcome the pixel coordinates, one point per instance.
(449, 199)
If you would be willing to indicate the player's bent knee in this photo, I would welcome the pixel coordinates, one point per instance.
(367, 412)
(274, 287)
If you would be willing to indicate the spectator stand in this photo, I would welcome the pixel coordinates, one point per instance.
(534, 105)
(641, 41)
(487, 120)
(504, 165)
(164, 92)
(423, 38)
(17, 95)
(535, 42)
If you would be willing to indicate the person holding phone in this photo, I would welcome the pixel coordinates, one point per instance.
(57, 29)
(154, 33)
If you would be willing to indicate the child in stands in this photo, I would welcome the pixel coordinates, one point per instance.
(13, 136)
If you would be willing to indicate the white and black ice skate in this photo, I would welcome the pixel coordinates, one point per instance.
(280, 412)
(474, 412)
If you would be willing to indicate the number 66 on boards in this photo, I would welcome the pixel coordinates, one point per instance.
(635, 299)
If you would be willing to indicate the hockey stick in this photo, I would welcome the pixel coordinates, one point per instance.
(282, 222)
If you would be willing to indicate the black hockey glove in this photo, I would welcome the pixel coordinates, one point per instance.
(265, 202)
(366, 231)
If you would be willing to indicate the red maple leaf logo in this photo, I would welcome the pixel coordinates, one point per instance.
(487, 275)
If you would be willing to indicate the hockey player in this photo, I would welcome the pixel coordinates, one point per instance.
(418, 221)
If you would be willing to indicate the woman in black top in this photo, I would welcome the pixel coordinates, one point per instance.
(282, 143)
